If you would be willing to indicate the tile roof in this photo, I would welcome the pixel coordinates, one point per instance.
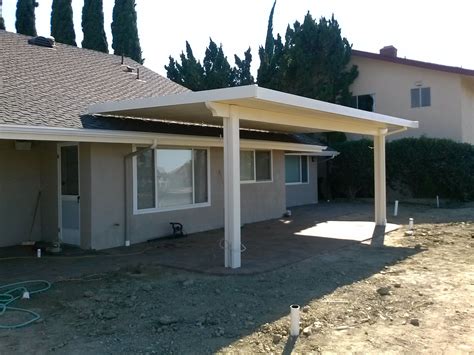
(413, 63)
(42, 86)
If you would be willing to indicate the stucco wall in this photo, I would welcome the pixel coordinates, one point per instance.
(304, 194)
(23, 174)
(19, 188)
(49, 191)
(468, 110)
(391, 84)
(102, 166)
(103, 189)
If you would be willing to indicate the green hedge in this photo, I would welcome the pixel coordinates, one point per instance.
(419, 167)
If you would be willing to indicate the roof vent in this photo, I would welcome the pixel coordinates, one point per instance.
(389, 51)
(42, 41)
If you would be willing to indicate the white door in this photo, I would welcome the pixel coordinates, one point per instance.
(69, 198)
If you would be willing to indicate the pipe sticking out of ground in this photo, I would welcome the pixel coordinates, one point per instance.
(294, 320)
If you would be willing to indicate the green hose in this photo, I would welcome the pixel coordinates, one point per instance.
(12, 292)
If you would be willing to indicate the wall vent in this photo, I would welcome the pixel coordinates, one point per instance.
(42, 41)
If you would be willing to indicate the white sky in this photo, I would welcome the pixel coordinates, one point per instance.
(428, 30)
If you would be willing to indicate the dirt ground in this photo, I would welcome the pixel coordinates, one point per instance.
(414, 294)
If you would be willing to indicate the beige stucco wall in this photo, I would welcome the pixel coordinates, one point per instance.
(102, 210)
(304, 194)
(49, 191)
(391, 84)
(468, 110)
(23, 174)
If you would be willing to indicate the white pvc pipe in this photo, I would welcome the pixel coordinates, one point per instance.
(395, 210)
(294, 320)
(410, 223)
(437, 201)
(38, 253)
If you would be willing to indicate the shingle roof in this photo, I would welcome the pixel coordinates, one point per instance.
(413, 63)
(41, 86)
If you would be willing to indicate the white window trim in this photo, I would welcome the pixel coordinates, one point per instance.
(301, 171)
(419, 88)
(255, 181)
(155, 209)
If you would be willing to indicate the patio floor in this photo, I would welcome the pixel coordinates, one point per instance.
(268, 245)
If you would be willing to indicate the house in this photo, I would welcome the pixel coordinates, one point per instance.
(98, 151)
(440, 97)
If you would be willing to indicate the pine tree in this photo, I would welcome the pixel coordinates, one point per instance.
(125, 39)
(241, 73)
(313, 62)
(93, 26)
(217, 71)
(189, 73)
(25, 17)
(214, 73)
(62, 26)
(318, 61)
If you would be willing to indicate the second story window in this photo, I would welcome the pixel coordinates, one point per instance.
(364, 102)
(420, 97)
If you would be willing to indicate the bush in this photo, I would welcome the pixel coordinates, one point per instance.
(426, 167)
(420, 167)
(351, 173)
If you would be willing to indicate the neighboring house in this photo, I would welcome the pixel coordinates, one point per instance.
(98, 151)
(440, 97)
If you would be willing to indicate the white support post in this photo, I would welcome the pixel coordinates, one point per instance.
(379, 179)
(232, 190)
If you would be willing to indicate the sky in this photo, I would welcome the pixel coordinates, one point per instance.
(436, 31)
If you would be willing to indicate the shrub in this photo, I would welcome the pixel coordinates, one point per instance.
(352, 171)
(421, 167)
(426, 167)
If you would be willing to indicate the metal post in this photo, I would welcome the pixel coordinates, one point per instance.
(232, 190)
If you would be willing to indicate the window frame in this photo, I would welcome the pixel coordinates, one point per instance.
(357, 102)
(156, 209)
(255, 181)
(420, 97)
(301, 182)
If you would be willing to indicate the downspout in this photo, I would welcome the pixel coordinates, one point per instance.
(126, 159)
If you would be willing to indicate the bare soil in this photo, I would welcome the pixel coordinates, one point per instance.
(414, 294)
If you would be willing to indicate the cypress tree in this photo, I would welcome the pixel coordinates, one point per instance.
(125, 39)
(93, 26)
(241, 72)
(189, 73)
(2, 23)
(217, 71)
(265, 71)
(25, 17)
(62, 26)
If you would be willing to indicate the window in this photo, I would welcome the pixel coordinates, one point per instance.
(255, 165)
(364, 102)
(296, 169)
(171, 178)
(420, 97)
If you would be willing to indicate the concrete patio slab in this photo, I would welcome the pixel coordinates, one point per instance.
(266, 246)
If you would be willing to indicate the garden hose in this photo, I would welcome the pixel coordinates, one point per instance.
(12, 292)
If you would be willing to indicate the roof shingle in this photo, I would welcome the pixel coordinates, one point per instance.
(41, 86)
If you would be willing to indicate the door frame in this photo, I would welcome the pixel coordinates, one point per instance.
(60, 202)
